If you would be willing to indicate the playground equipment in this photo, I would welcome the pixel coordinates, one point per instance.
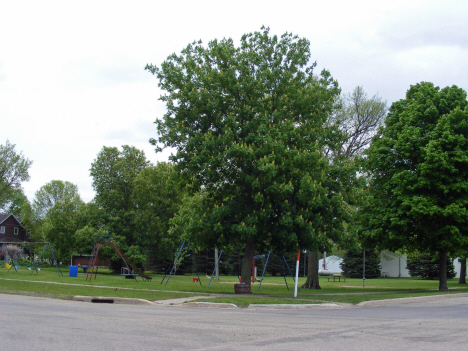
(282, 271)
(281, 260)
(25, 244)
(101, 240)
(175, 262)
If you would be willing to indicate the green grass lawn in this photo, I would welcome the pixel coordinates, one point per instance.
(273, 289)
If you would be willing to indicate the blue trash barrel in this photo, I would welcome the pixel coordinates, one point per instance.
(73, 271)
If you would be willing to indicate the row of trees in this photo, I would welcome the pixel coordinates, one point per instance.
(134, 202)
(269, 155)
(271, 164)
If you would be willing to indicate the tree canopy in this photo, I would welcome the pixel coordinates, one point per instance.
(53, 192)
(59, 228)
(359, 117)
(158, 198)
(418, 168)
(13, 202)
(13, 171)
(113, 172)
(249, 128)
(136, 200)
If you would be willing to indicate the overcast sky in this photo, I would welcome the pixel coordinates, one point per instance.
(72, 76)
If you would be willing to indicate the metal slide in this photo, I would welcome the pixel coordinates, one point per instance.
(94, 260)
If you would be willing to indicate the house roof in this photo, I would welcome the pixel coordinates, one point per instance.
(5, 216)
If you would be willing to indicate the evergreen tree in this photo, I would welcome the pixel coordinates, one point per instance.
(427, 266)
(352, 265)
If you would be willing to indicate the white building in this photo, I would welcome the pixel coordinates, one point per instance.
(394, 265)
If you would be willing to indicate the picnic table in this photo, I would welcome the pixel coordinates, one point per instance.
(337, 277)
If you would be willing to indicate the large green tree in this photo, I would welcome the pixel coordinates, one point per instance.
(113, 173)
(157, 197)
(59, 227)
(14, 169)
(418, 168)
(249, 126)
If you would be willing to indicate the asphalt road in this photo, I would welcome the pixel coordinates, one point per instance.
(33, 323)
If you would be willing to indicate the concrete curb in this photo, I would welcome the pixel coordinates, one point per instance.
(404, 300)
(185, 302)
(264, 306)
(180, 301)
(209, 305)
(112, 300)
(316, 306)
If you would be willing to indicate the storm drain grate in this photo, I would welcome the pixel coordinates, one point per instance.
(103, 300)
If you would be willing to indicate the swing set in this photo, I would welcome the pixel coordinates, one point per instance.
(174, 264)
(281, 260)
(25, 244)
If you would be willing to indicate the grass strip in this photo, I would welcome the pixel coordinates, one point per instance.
(67, 291)
(273, 290)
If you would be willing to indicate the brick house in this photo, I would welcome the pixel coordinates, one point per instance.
(11, 229)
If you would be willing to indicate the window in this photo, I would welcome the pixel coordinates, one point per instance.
(16, 230)
(2, 230)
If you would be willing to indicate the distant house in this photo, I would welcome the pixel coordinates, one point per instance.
(11, 229)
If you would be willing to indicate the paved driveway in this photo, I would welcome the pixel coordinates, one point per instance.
(33, 323)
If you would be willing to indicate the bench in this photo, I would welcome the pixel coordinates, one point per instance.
(337, 276)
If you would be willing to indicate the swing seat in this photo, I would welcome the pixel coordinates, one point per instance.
(195, 280)
(7, 266)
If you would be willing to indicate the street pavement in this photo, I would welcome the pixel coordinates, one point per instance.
(36, 323)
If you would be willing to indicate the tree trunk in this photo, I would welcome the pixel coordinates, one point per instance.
(462, 279)
(246, 269)
(312, 281)
(443, 270)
